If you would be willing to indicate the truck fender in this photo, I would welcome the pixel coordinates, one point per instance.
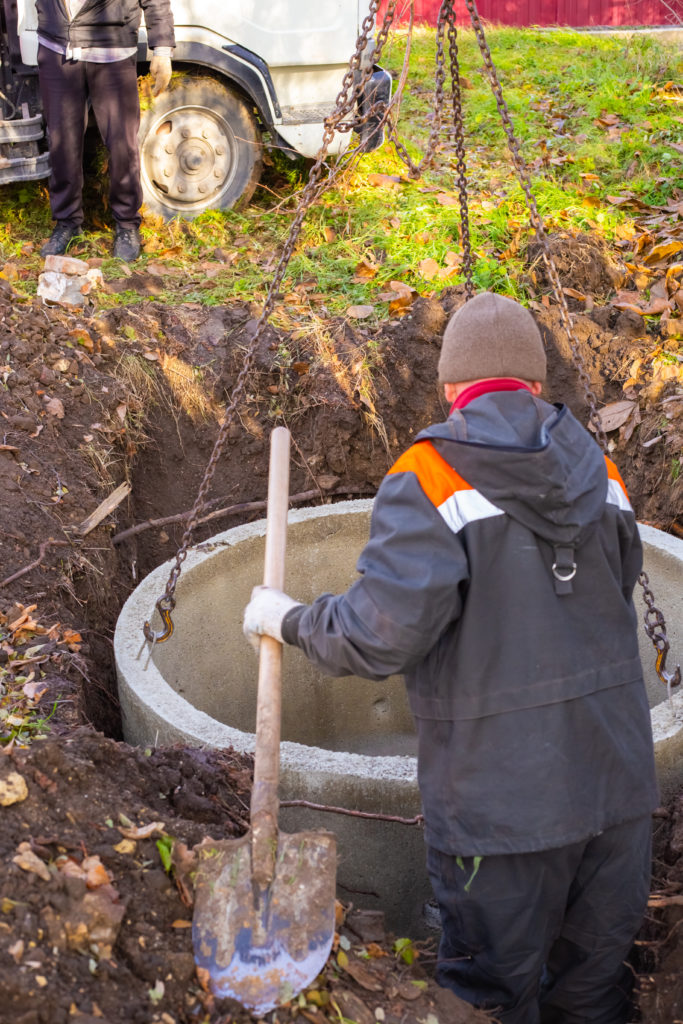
(234, 62)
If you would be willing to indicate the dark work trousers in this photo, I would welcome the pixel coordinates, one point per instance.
(541, 938)
(65, 86)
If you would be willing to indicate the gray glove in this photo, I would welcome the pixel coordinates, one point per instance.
(161, 70)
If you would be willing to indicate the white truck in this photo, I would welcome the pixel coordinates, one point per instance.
(247, 73)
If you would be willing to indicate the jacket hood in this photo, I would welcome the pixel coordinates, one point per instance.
(531, 459)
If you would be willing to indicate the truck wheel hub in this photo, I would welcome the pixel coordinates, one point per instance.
(190, 154)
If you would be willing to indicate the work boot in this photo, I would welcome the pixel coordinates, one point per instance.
(126, 243)
(58, 241)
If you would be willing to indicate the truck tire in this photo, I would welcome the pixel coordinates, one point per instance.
(200, 149)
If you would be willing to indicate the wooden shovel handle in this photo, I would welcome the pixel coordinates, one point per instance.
(264, 798)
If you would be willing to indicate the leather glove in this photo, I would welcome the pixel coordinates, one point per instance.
(160, 69)
(264, 614)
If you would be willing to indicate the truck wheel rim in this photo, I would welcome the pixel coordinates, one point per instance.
(189, 158)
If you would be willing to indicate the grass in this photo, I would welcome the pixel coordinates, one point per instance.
(557, 85)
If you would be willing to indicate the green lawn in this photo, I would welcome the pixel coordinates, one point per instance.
(600, 119)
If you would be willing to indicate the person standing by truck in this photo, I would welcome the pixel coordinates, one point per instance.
(88, 51)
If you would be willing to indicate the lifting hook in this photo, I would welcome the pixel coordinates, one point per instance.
(670, 679)
(164, 606)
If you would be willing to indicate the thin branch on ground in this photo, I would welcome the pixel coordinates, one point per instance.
(245, 506)
(417, 820)
(42, 550)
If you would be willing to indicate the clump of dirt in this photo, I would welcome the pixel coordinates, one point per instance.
(94, 928)
(584, 264)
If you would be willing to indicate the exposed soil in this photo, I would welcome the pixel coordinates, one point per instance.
(90, 401)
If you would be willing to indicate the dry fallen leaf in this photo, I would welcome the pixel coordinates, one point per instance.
(663, 251)
(364, 271)
(95, 873)
(612, 416)
(446, 199)
(34, 691)
(142, 831)
(386, 180)
(428, 268)
(27, 860)
(126, 846)
(13, 789)
(361, 975)
(360, 312)
(55, 407)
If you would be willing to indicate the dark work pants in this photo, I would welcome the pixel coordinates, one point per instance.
(541, 938)
(65, 86)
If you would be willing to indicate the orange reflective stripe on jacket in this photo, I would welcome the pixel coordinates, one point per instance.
(454, 499)
(457, 501)
(616, 489)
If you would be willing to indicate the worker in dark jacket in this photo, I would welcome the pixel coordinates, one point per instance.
(88, 51)
(498, 577)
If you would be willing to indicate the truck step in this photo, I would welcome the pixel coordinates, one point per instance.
(309, 113)
(23, 168)
(26, 129)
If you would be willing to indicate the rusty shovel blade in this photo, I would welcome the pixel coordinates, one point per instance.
(262, 946)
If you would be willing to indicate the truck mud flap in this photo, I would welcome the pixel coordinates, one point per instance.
(377, 95)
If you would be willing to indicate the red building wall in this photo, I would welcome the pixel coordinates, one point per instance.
(579, 13)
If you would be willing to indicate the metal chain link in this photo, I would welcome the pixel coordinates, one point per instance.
(524, 177)
(655, 624)
(459, 131)
(415, 170)
(446, 24)
(352, 88)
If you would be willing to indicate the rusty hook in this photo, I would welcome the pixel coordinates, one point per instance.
(164, 606)
(671, 679)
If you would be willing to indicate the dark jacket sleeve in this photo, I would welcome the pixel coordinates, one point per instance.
(412, 574)
(631, 550)
(159, 22)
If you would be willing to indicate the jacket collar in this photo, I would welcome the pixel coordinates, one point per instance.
(485, 387)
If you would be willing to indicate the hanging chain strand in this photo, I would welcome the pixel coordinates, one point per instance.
(415, 170)
(524, 177)
(655, 624)
(461, 166)
(353, 84)
(445, 24)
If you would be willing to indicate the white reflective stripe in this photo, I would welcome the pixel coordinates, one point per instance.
(616, 496)
(465, 507)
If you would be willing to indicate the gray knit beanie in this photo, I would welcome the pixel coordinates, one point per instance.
(491, 336)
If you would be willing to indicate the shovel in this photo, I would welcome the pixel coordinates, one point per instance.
(263, 920)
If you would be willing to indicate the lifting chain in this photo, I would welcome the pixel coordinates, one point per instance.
(353, 85)
(446, 23)
(655, 624)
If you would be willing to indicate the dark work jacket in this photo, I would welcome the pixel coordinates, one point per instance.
(527, 692)
(107, 23)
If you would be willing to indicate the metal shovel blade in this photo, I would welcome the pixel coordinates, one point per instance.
(261, 946)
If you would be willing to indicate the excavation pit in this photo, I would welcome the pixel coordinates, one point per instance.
(346, 742)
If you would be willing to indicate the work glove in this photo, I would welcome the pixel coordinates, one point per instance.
(160, 69)
(264, 614)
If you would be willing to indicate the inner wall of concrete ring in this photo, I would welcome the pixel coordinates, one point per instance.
(346, 742)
